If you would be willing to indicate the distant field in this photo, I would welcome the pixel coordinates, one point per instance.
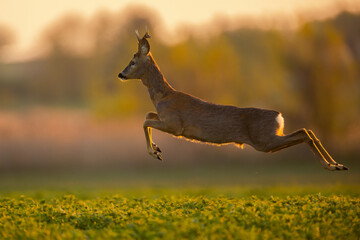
(193, 213)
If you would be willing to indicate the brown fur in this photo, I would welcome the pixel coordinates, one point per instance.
(184, 115)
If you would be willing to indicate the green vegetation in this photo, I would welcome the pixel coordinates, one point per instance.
(212, 213)
(65, 175)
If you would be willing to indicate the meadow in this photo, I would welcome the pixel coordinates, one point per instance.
(331, 212)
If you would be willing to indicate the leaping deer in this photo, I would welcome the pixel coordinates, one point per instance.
(184, 115)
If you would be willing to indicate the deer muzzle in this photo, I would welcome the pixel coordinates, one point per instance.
(121, 76)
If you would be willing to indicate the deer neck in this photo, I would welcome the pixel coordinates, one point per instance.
(157, 85)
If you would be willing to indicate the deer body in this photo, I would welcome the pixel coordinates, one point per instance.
(181, 114)
(193, 118)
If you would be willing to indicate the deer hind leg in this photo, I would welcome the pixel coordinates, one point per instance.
(297, 137)
(152, 148)
(324, 152)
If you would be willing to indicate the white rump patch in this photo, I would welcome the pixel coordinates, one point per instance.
(280, 121)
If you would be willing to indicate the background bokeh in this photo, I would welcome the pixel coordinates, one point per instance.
(66, 120)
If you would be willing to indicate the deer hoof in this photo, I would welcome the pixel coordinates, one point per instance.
(341, 167)
(158, 155)
(156, 148)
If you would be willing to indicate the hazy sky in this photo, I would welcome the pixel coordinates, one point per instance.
(27, 18)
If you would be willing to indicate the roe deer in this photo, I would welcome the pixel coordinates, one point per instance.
(181, 114)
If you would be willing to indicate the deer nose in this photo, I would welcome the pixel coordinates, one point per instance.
(121, 76)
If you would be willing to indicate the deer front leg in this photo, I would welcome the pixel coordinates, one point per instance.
(170, 124)
(154, 116)
(152, 148)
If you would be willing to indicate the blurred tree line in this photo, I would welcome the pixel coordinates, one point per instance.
(311, 74)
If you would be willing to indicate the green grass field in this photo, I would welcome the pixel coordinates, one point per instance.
(331, 212)
(271, 200)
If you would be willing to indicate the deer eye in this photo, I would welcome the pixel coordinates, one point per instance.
(132, 63)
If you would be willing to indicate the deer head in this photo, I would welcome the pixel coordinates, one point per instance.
(137, 66)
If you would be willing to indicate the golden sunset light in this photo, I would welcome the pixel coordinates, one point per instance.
(28, 19)
(166, 120)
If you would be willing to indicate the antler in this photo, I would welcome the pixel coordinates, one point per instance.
(147, 35)
(137, 35)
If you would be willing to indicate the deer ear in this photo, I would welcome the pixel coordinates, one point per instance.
(144, 46)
